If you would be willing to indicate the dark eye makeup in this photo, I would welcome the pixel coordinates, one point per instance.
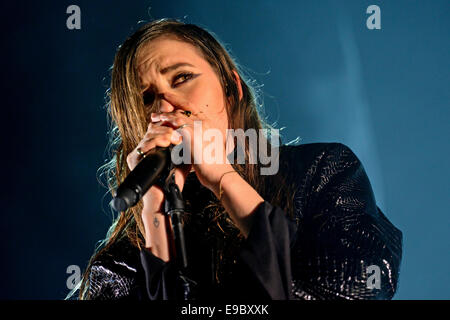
(179, 79)
(186, 76)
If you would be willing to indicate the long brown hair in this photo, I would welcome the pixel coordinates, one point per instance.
(129, 119)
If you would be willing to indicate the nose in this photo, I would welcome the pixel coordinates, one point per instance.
(164, 105)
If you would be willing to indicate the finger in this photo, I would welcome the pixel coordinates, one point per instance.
(162, 140)
(174, 120)
(175, 137)
(155, 117)
(156, 130)
(154, 124)
(150, 142)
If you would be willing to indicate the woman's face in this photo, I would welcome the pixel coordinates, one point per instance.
(174, 76)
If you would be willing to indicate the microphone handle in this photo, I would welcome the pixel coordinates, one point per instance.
(141, 178)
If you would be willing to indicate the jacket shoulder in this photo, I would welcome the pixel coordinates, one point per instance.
(299, 161)
(121, 249)
(313, 150)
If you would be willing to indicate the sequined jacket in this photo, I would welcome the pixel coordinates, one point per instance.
(339, 244)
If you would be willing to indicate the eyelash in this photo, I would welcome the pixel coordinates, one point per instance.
(148, 97)
(187, 75)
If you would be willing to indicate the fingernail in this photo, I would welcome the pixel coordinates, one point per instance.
(155, 117)
(176, 136)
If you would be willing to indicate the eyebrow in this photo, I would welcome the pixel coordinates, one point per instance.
(175, 66)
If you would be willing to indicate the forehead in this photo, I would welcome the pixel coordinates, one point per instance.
(162, 52)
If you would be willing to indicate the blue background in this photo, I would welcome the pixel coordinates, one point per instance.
(325, 76)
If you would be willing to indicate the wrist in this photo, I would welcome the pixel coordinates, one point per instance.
(156, 236)
(239, 199)
(217, 185)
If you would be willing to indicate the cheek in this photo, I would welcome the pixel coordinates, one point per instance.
(208, 96)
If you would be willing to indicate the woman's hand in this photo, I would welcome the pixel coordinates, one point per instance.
(158, 136)
(195, 128)
(154, 220)
(238, 197)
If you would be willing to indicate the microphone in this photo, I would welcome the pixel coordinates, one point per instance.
(141, 178)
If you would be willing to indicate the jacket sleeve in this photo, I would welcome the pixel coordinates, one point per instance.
(113, 276)
(342, 246)
(163, 280)
(112, 279)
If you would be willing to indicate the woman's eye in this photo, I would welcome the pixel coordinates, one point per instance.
(182, 77)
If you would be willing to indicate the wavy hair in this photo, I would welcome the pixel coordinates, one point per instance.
(128, 116)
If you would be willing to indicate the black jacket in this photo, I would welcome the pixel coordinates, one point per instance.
(322, 253)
